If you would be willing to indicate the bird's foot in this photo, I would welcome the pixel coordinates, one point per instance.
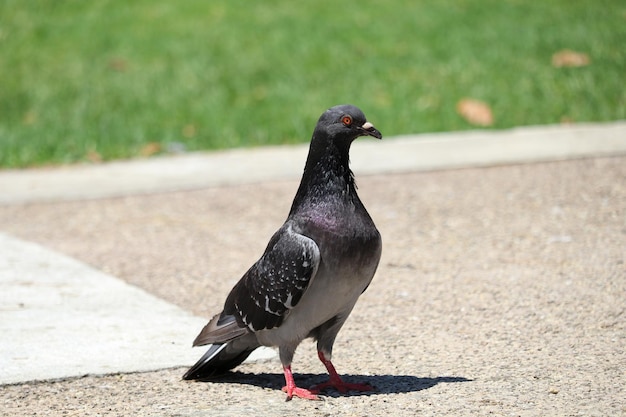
(341, 386)
(300, 393)
(335, 380)
(292, 390)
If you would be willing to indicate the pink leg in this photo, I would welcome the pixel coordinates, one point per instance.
(335, 380)
(291, 389)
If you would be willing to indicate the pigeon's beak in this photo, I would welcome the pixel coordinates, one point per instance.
(369, 130)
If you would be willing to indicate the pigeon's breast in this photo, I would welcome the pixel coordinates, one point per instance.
(350, 248)
(345, 236)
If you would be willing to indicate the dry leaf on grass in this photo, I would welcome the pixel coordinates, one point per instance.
(118, 64)
(475, 112)
(189, 130)
(93, 156)
(150, 149)
(569, 58)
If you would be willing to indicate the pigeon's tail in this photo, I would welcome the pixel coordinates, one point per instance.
(219, 359)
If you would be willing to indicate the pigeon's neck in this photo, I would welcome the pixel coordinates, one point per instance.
(327, 176)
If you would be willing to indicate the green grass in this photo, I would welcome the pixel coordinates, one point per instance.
(100, 77)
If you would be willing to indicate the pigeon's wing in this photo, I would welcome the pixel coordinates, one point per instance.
(276, 282)
(268, 290)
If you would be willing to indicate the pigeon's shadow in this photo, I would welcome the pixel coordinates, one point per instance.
(382, 384)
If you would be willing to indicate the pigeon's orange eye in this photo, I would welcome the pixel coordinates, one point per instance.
(346, 120)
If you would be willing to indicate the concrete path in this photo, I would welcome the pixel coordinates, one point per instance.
(61, 318)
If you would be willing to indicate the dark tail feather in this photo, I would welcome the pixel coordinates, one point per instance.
(219, 359)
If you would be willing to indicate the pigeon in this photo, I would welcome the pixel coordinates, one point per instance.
(312, 272)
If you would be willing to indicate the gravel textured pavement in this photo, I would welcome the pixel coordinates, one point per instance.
(501, 291)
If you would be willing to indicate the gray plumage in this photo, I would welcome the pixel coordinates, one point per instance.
(313, 270)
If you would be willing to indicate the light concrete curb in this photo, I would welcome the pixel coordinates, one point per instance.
(400, 154)
(61, 318)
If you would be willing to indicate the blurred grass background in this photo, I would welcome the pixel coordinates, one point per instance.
(99, 80)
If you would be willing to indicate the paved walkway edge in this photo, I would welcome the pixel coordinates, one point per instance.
(61, 318)
(399, 154)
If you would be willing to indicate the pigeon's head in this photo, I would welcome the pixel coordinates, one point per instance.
(345, 123)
